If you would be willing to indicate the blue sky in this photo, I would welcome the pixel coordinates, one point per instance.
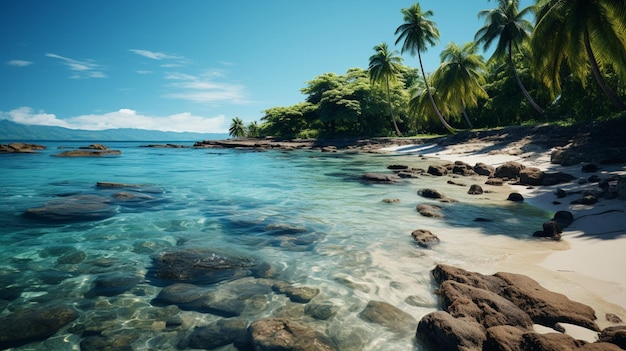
(192, 65)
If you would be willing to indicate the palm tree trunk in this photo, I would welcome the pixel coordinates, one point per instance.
(393, 120)
(432, 100)
(521, 85)
(615, 100)
(467, 120)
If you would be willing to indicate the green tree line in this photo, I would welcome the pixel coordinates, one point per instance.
(570, 64)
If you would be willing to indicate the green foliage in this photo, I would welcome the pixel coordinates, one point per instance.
(553, 69)
(237, 128)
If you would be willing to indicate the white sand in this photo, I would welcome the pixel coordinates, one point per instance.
(593, 269)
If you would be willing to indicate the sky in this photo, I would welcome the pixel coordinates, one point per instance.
(193, 65)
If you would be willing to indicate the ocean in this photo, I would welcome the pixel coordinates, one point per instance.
(304, 218)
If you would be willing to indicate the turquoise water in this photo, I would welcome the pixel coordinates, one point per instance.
(305, 216)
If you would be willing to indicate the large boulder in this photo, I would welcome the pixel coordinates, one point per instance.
(447, 333)
(34, 324)
(274, 334)
(546, 307)
(484, 306)
(509, 170)
(531, 176)
(497, 312)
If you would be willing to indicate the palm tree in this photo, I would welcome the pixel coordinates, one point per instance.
(584, 34)
(460, 78)
(385, 66)
(237, 128)
(417, 31)
(506, 25)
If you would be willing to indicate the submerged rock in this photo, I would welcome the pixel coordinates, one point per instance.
(272, 334)
(89, 153)
(427, 210)
(204, 266)
(74, 208)
(389, 316)
(220, 333)
(34, 324)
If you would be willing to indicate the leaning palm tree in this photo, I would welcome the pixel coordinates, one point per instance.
(385, 67)
(506, 25)
(460, 78)
(588, 34)
(417, 31)
(237, 128)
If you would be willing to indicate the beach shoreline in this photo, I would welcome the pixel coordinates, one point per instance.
(591, 264)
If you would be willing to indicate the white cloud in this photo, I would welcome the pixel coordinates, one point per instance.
(80, 69)
(204, 88)
(123, 118)
(27, 115)
(155, 55)
(19, 63)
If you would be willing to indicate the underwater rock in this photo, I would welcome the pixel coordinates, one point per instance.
(202, 266)
(113, 284)
(88, 153)
(427, 210)
(34, 324)
(380, 178)
(298, 294)
(74, 208)
(282, 334)
(220, 333)
(118, 341)
(321, 311)
(389, 316)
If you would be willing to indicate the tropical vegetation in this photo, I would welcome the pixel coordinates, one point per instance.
(557, 60)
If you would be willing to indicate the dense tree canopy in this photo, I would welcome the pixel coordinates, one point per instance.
(572, 60)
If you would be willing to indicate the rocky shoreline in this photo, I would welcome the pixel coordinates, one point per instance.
(503, 311)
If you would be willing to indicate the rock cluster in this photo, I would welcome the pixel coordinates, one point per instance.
(20, 148)
(497, 312)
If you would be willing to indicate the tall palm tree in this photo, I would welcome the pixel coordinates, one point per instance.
(417, 31)
(506, 25)
(385, 67)
(584, 34)
(460, 78)
(237, 128)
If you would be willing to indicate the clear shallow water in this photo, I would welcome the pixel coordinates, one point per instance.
(306, 214)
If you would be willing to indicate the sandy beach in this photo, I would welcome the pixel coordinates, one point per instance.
(591, 263)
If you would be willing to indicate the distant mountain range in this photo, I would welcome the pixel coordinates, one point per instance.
(23, 132)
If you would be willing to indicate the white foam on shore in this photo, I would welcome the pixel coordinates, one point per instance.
(590, 269)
